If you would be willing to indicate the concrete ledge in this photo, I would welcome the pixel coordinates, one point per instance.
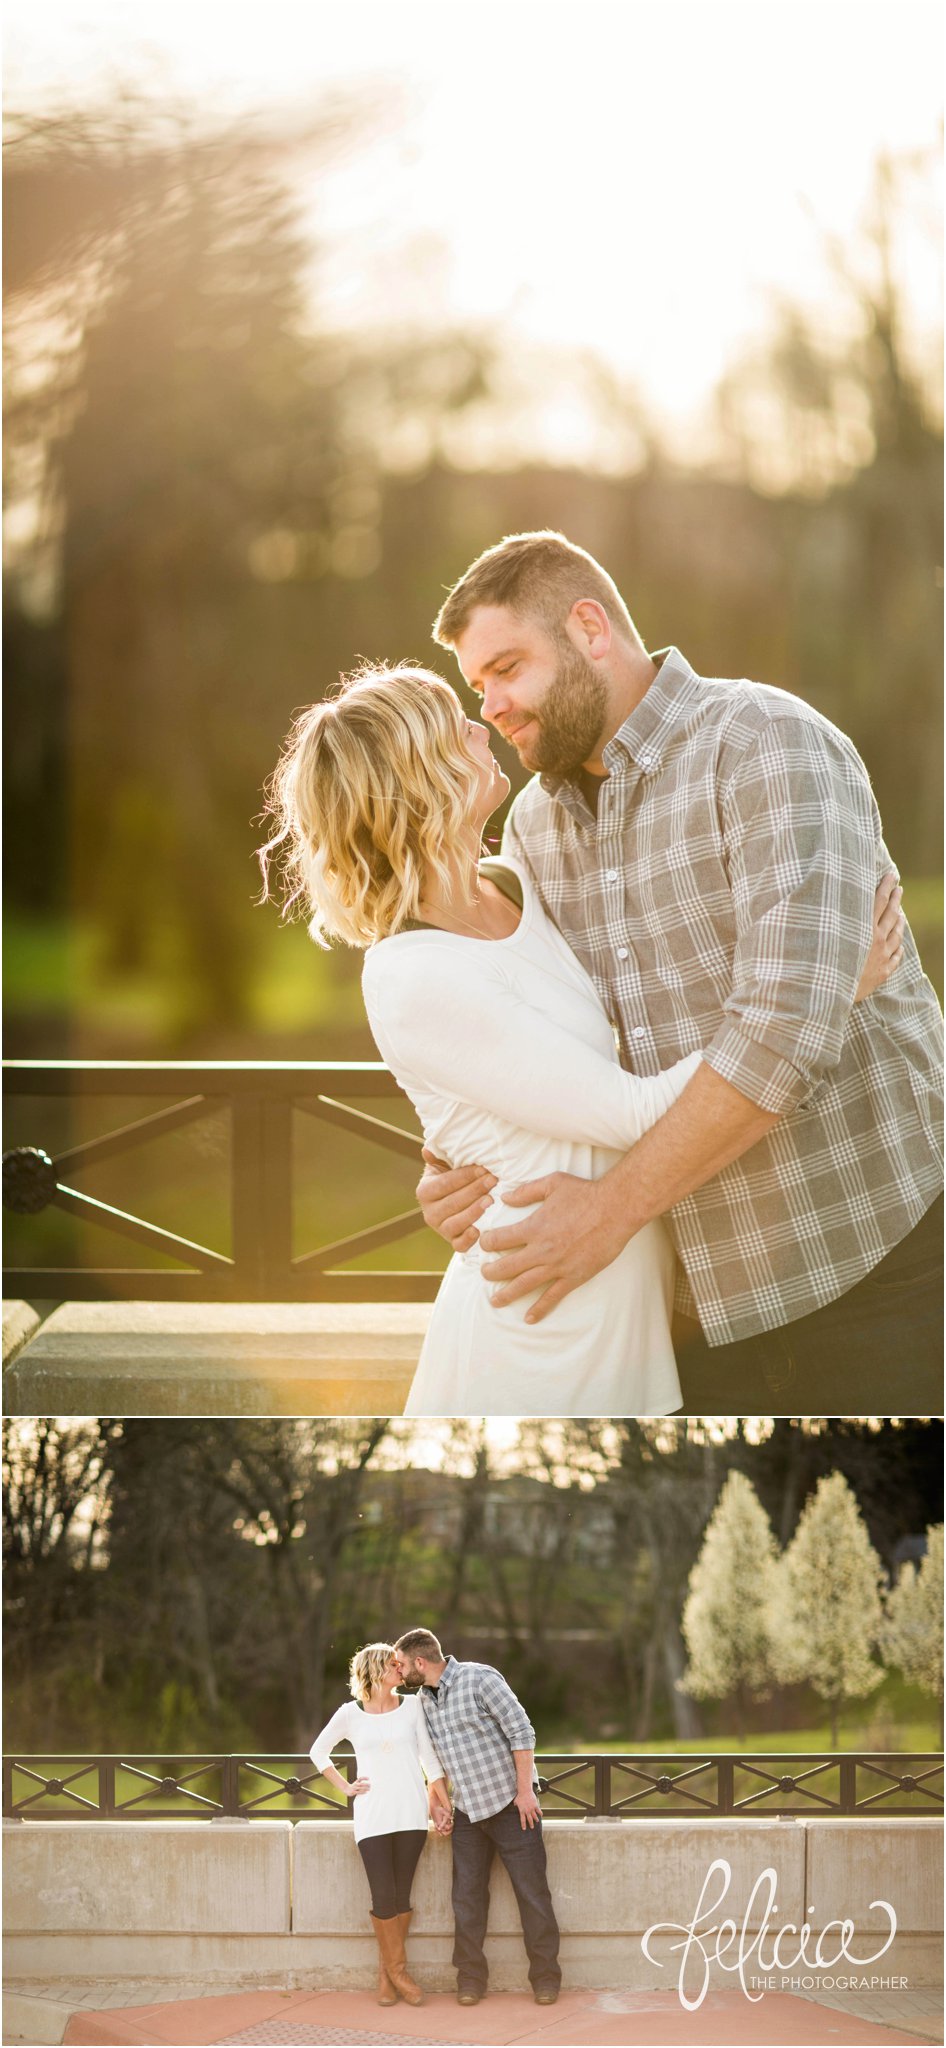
(20, 1323)
(156, 1358)
(185, 1903)
(616, 1878)
(609, 1883)
(86, 1879)
(896, 1863)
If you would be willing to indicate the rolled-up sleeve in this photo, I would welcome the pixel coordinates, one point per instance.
(509, 1714)
(802, 836)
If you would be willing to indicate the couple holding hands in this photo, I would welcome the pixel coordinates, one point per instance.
(462, 1727)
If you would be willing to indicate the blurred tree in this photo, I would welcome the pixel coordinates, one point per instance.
(912, 1636)
(850, 415)
(194, 418)
(200, 1584)
(725, 1616)
(826, 1611)
(892, 1464)
(659, 1482)
(55, 1511)
(229, 1540)
(174, 1616)
(51, 1472)
(198, 441)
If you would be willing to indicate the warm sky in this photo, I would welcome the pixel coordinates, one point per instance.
(639, 177)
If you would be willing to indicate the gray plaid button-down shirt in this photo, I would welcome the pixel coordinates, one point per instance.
(475, 1721)
(722, 901)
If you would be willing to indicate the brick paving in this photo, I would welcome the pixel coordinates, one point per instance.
(581, 2019)
(282, 2034)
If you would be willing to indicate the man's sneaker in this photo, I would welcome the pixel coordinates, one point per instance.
(469, 1996)
(547, 1995)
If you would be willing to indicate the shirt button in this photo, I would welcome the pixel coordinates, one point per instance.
(647, 760)
(611, 875)
(622, 952)
(639, 1031)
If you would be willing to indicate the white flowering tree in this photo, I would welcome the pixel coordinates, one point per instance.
(827, 1613)
(912, 1636)
(725, 1616)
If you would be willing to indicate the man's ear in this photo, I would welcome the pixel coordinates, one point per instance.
(589, 628)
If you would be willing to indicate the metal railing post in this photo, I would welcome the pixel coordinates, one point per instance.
(261, 1195)
(602, 1787)
(230, 1788)
(847, 1797)
(725, 1785)
(276, 1195)
(246, 1182)
(107, 1787)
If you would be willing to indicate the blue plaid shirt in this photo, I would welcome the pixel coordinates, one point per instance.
(475, 1721)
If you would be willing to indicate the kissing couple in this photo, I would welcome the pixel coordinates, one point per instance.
(674, 1047)
(462, 1730)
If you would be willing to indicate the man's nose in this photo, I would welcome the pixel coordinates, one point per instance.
(495, 703)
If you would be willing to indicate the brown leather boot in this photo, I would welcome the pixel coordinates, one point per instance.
(391, 1943)
(386, 1992)
(405, 1926)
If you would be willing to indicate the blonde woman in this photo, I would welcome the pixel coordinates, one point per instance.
(393, 1756)
(490, 1024)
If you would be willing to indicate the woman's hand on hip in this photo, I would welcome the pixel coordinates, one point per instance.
(357, 1786)
(453, 1198)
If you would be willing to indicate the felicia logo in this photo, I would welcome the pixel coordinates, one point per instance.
(709, 1940)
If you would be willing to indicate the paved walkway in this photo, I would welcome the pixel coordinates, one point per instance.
(581, 2019)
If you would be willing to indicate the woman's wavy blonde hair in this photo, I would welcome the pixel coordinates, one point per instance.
(367, 1668)
(373, 788)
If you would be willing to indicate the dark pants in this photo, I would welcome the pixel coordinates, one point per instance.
(390, 1861)
(878, 1350)
(522, 1850)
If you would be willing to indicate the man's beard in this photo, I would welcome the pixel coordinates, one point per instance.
(571, 719)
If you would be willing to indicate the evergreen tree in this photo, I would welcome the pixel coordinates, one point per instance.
(725, 1616)
(827, 1613)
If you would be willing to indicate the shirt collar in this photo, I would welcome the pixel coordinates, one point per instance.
(445, 1680)
(644, 736)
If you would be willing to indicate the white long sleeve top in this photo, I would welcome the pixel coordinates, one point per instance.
(504, 1046)
(507, 1053)
(395, 1751)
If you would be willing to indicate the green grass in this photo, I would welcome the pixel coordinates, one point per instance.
(907, 1738)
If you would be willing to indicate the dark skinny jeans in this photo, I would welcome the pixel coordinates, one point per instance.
(390, 1861)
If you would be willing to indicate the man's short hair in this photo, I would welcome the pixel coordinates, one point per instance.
(538, 575)
(419, 1642)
